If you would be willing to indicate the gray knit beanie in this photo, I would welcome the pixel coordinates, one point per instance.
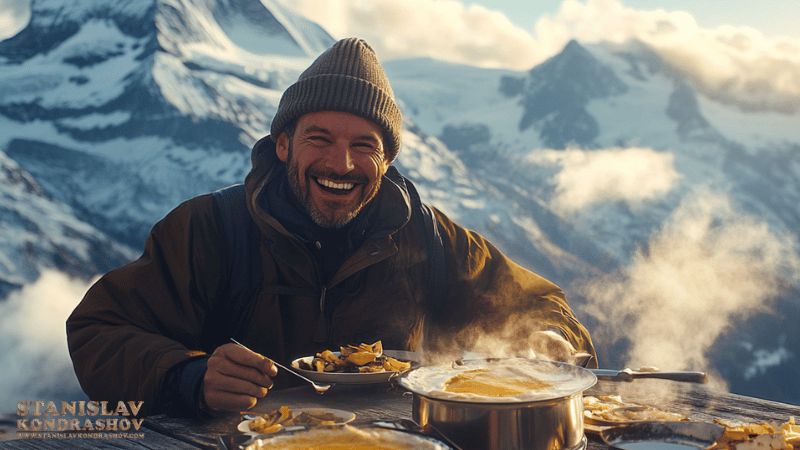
(347, 77)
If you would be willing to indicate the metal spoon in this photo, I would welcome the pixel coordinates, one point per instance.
(319, 387)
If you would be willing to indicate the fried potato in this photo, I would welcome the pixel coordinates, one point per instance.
(362, 358)
(271, 422)
(791, 432)
(758, 436)
(394, 365)
(609, 410)
(377, 347)
(277, 420)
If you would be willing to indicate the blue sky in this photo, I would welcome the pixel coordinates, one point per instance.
(745, 42)
(771, 17)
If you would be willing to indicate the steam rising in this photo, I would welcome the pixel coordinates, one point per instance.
(596, 176)
(710, 263)
(34, 358)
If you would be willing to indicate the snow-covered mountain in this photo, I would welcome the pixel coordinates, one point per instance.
(113, 112)
(147, 97)
(40, 232)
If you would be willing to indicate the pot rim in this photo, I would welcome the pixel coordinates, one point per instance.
(585, 380)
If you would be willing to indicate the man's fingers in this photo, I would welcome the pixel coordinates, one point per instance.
(236, 378)
(245, 357)
(225, 401)
(235, 386)
(220, 365)
(226, 389)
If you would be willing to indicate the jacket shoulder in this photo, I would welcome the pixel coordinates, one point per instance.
(199, 214)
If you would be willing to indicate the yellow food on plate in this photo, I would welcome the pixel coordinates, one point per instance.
(791, 431)
(271, 422)
(767, 436)
(277, 420)
(602, 402)
(362, 358)
(612, 410)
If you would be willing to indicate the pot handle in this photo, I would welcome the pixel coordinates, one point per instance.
(649, 372)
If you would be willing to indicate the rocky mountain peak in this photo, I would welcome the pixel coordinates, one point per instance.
(12, 176)
(54, 21)
(172, 24)
(556, 93)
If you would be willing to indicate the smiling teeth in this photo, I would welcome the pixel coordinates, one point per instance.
(332, 185)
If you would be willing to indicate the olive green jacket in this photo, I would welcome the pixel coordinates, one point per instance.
(140, 320)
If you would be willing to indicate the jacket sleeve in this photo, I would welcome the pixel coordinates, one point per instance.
(494, 302)
(138, 321)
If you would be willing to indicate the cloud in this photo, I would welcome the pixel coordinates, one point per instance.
(14, 15)
(34, 355)
(735, 64)
(589, 177)
(440, 29)
(710, 263)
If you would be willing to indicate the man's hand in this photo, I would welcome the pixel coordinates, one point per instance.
(236, 378)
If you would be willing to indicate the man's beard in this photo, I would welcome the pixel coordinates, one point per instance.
(304, 198)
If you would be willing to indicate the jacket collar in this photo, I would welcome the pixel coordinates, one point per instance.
(389, 211)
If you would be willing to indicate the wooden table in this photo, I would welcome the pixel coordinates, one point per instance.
(383, 402)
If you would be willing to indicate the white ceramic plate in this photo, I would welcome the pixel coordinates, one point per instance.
(342, 417)
(354, 378)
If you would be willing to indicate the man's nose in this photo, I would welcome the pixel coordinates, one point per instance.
(340, 159)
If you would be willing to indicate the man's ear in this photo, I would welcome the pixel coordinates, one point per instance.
(282, 147)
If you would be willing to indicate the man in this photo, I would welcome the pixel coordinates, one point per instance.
(338, 258)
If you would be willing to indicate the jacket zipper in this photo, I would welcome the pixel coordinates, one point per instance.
(324, 289)
(321, 335)
(323, 330)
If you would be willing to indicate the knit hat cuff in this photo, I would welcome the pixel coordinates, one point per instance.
(349, 78)
(338, 92)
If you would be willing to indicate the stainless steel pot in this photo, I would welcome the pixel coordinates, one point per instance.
(554, 422)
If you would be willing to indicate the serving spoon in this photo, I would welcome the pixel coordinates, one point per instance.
(319, 387)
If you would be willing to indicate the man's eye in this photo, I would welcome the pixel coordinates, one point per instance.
(364, 147)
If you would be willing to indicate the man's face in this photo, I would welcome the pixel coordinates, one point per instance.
(335, 162)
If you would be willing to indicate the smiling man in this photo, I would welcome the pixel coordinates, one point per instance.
(336, 165)
(326, 244)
